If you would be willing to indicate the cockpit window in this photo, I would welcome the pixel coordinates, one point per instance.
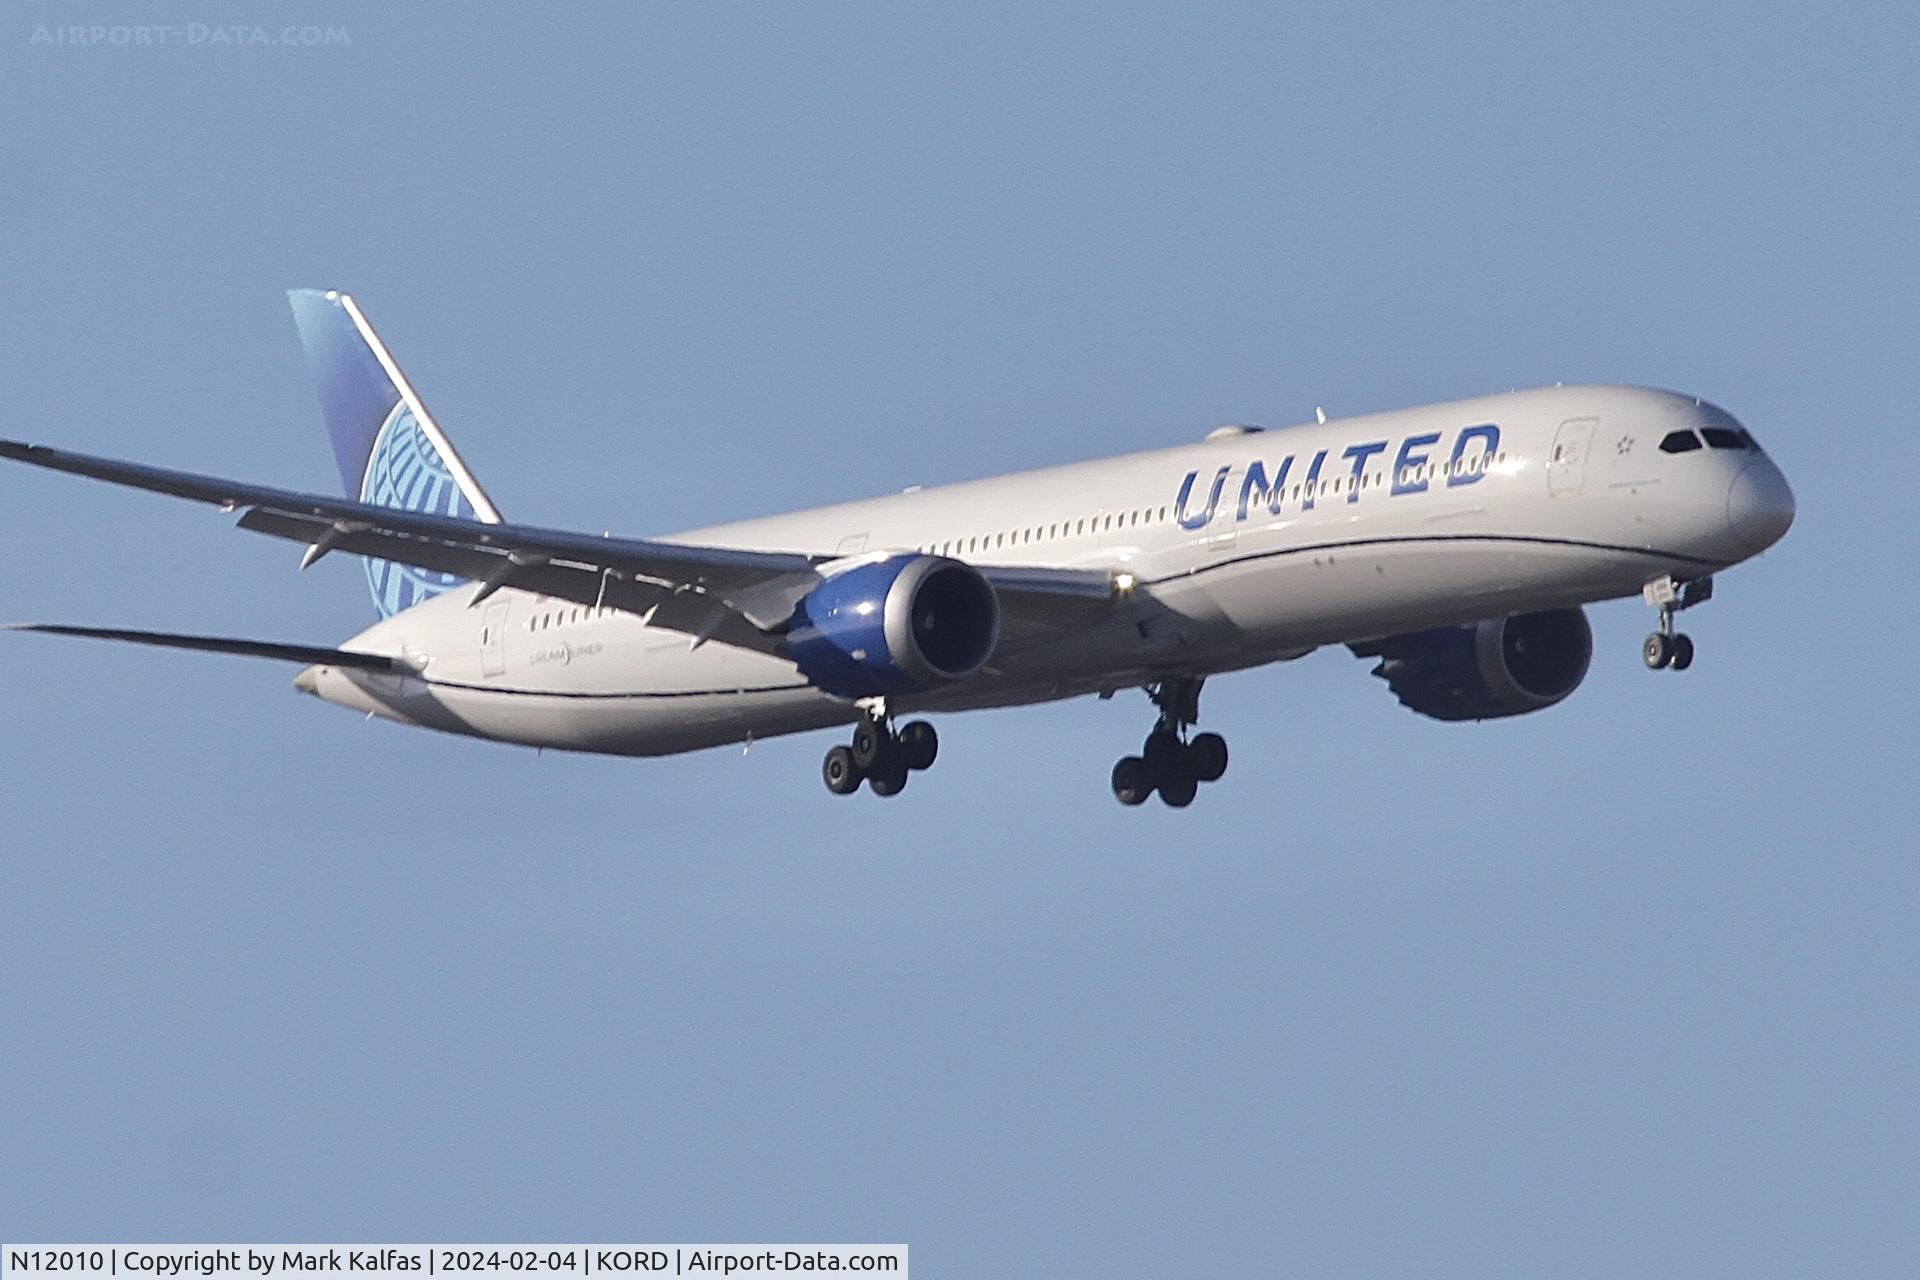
(1748, 437)
(1680, 442)
(1724, 437)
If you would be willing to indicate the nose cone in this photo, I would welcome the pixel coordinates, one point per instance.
(308, 681)
(1759, 506)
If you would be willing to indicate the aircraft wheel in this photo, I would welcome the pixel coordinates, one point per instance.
(1161, 752)
(1207, 757)
(1178, 792)
(842, 775)
(871, 744)
(919, 744)
(1132, 784)
(891, 780)
(1682, 654)
(1657, 651)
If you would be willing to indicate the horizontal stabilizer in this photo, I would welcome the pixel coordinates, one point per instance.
(310, 655)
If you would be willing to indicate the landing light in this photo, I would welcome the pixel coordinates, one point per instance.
(1124, 582)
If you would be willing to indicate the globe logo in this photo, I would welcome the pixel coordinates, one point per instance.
(405, 472)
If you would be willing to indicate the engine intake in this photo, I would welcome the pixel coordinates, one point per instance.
(1500, 667)
(906, 623)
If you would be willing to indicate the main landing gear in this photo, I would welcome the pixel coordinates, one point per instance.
(879, 756)
(1170, 762)
(1666, 648)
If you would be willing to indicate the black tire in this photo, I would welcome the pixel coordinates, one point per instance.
(1178, 793)
(1657, 651)
(841, 774)
(919, 744)
(1132, 784)
(872, 744)
(1161, 752)
(1682, 654)
(1207, 757)
(891, 780)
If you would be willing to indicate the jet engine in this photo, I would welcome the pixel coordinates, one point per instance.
(910, 622)
(1500, 667)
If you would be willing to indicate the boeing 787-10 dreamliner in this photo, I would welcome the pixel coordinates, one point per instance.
(1455, 544)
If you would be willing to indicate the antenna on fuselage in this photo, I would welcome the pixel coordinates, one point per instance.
(1320, 415)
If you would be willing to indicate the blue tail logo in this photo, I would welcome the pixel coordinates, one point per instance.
(406, 473)
(390, 452)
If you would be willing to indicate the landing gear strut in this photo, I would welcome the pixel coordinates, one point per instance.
(1170, 762)
(879, 756)
(1667, 648)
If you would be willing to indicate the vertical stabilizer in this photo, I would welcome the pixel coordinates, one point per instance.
(390, 450)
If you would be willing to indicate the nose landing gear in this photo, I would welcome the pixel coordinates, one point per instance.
(1169, 761)
(879, 756)
(1666, 648)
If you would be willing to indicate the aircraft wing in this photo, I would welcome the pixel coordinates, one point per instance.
(734, 596)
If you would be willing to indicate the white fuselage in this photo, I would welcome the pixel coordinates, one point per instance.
(1573, 502)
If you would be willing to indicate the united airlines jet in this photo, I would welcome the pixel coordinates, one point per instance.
(1453, 544)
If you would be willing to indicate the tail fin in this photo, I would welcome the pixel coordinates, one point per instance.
(389, 449)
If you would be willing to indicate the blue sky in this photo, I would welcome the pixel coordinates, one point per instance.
(1626, 987)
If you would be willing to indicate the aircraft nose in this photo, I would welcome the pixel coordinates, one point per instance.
(1759, 506)
(308, 681)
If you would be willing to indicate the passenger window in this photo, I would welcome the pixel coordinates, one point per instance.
(1723, 438)
(1680, 442)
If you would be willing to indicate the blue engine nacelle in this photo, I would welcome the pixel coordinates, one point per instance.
(911, 622)
(1501, 667)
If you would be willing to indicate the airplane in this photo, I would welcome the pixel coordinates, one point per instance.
(1456, 544)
